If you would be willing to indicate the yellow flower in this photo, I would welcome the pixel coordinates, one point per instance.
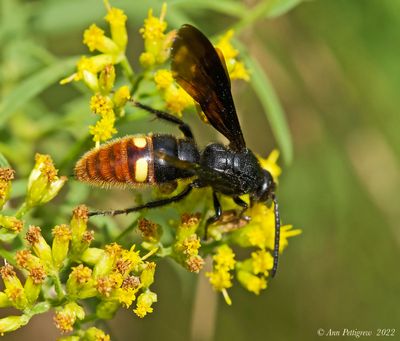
(117, 19)
(270, 164)
(262, 261)
(163, 78)
(95, 39)
(60, 246)
(156, 42)
(39, 245)
(104, 129)
(6, 175)
(11, 323)
(220, 279)
(14, 289)
(121, 96)
(43, 183)
(101, 105)
(144, 303)
(251, 282)
(94, 334)
(11, 223)
(154, 28)
(107, 79)
(224, 258)
(236, 69)
(65, 317)
(177, 99)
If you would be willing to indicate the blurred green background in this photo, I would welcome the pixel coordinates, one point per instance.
(335, 66)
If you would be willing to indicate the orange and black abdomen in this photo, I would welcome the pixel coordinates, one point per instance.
(131, 161)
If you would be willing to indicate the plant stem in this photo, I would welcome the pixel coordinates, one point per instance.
(128, 70)
(58, 287)
(22, 210)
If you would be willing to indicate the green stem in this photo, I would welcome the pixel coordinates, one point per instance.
(58, 287)
(22, 210)
(128, 70)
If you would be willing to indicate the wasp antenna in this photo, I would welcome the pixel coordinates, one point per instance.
(277, 235)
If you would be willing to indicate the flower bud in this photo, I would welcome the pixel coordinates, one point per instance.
(14, 290)
(117, 18)
(62, 236)
(43, 183)
(39, 245)
(251, 282)
(144, 303)
(147, 275)
(80, 283)
(120, 98)
(11, 323)
(106, 309)
(95, 334)
(107, 79)
(65, 317)
(12, 224)
(6, 175)
(34, 283)
(107, 261)
(78, 227)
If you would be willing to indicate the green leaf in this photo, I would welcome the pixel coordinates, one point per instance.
(3, 161)
(282, 7)
(32, 86)
(272, 107)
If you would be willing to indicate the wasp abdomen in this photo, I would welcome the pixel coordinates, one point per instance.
(134, 160)
(125, 161)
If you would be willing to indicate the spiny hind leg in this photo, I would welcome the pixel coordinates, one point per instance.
(184, 128)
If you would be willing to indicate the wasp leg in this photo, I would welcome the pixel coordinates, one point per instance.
(151, 204)
(184, 128)
(244, 206)
(214, 218)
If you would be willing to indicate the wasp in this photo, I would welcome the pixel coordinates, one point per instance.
(157, 159)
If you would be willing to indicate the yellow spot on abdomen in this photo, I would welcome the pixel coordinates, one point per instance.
(139, 142)
(141, 170)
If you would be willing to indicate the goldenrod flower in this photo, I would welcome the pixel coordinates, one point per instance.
(235, 68)
(270, 164)
(107, 261)
(163, 79)
(101, 105)
(156, 42)
(121, 97)
(262, 261)
(95, 334)
(221, 278)
(11, 323)
(252, 282)
(144, 303)
(117, 19)
(107, 79)
(95, 39)
(33, 283)
(150, 231)
(65, 317)
(62, 235)
(14, 289)
(6, 175)
(11, 223)
(126, 294)
(80, 283)
(177, 99)
(43, 183)
(39, 245)
(147, 275)
(26, 260)
(104, 129)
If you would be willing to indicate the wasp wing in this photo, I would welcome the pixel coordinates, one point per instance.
(198, 69)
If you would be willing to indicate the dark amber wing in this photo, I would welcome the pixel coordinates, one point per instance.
(198, 69)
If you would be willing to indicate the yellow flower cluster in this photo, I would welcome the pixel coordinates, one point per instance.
(187, 243)
(236, 69)
(98, 73)
(156, 42)
(221, 278)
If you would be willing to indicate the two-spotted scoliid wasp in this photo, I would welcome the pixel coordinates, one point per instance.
(155, 159)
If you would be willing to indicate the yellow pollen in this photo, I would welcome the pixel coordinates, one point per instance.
(140, 142)
(141, 170)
